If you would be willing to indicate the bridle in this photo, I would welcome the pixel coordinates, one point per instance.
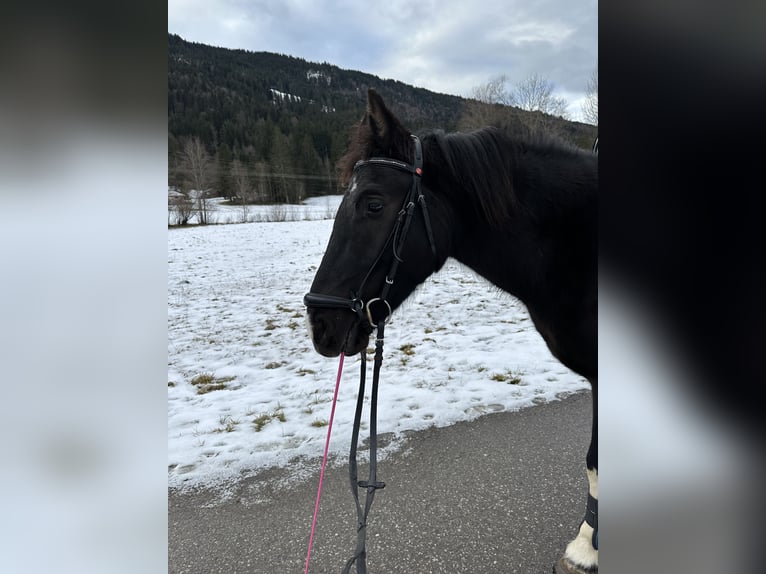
(376, 312)
(370, 312)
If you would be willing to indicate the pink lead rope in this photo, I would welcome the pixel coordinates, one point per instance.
(324, 463)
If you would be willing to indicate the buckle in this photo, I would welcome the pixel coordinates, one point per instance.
(367, 484)
(370, 311)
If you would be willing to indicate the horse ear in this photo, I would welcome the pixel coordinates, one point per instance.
(378, 115)
(383, 124)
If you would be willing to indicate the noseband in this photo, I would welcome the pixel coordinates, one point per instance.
(378, 309)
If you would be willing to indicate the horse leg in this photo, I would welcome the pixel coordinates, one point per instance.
(581, 554)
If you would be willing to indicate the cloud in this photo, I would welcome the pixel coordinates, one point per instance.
(449, 46)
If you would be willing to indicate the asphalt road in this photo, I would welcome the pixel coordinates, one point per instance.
(501, 494)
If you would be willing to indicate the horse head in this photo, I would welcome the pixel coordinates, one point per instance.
(380, 248)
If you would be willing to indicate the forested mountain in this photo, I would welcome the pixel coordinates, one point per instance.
(270, 127)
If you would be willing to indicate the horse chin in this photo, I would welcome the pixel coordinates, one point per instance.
(357, 341)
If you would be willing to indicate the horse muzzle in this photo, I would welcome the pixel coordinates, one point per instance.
(334, 330)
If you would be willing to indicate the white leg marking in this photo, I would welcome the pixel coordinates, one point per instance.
(580, 551)
(593, 482)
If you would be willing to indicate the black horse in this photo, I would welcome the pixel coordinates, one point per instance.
(520, 211)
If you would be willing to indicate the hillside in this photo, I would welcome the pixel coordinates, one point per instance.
(273, 126)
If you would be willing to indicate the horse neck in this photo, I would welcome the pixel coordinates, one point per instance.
(521, 254)
(500, 257)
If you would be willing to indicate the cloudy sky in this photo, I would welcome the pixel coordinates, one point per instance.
(447, 46)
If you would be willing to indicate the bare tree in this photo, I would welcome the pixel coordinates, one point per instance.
(197, 166)
(493, 92)
(180, 209)
(493, 104)
(262, 181)
(535, 94)
(590, 105)
(243, 188)
(488, 105)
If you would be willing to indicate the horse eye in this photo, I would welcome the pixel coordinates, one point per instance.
(374, 206)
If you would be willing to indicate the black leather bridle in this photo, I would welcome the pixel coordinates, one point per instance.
(375, 313)
(378, 307)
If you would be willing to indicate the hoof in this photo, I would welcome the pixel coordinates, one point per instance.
(564, 566)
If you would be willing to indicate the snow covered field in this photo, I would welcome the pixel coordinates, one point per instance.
(247, 391)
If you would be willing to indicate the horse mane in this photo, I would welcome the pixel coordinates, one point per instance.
(483, 163)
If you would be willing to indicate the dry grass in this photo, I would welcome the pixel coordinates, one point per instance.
(508, 377)
(207, 383)
(262, 420)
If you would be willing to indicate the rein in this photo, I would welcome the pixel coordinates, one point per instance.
(375, 313)
(371, 484)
